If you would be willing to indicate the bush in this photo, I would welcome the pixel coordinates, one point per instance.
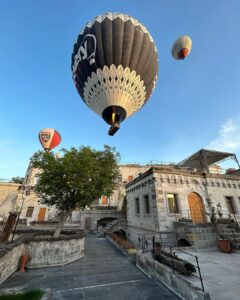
(31, 295)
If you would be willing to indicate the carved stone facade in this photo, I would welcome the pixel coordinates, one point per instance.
(163, 195)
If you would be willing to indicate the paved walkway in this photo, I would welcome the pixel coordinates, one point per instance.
(220, 272)
(103, 274)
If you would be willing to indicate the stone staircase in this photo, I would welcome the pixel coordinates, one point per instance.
(231, 233)
(111, 226)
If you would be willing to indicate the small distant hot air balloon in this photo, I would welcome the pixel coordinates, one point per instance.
(58, 155)
(49, 138)
(182, 47)
(114, 67)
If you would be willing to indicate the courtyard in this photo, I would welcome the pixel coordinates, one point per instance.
(104, 273)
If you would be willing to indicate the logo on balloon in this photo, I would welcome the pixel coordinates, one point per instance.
(87, 50)
(45, 137)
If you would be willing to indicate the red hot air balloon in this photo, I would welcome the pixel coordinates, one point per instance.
(49, 138)
(182, 47)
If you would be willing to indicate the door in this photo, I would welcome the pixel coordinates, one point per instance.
(41, 214)
(196, 208)
(104, 200)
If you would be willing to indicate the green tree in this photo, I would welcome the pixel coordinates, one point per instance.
(17, 179)
(76, 179)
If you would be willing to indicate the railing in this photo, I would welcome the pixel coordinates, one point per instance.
(148, 245)
(202, 216)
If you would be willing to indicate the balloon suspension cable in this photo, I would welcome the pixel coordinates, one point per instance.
(115, 124)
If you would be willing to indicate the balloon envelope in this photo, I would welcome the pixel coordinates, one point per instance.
(114, 66)
(49, 138)
(182, 47)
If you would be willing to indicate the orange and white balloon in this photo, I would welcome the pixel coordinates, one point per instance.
(182, 47)
(49, 138)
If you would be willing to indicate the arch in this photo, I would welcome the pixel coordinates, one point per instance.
(122, 233)
(196, 208)
(104, 221)
(184, 243)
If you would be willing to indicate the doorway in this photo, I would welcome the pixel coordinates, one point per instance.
(196, 208)
(41, 214)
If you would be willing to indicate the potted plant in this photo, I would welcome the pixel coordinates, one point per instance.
(23, 260)
(157, 247)
(216, 217)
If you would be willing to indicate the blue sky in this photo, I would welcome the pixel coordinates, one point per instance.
(195, 104)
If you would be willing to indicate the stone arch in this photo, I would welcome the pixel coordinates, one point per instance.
(121, 232)
(104, 221)
(184, 243)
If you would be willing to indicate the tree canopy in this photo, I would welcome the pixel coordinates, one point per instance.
(17, 179)
(77, 178)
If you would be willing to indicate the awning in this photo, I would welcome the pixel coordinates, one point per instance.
(204, 158)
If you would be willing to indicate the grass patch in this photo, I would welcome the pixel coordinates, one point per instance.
(31, 295)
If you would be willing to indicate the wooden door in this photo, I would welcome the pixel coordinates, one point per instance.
(196, 208)
(104, 200)
(41, 214)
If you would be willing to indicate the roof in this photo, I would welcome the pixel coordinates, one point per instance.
(204, 158)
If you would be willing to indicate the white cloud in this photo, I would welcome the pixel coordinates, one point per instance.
(228, 136)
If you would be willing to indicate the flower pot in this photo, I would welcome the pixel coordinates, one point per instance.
(157, 248)
(23, 262)
(224, 245)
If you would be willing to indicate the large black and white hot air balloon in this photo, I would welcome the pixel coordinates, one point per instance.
(182, 47)
(114, 66)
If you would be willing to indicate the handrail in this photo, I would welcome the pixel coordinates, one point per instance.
(170, 250)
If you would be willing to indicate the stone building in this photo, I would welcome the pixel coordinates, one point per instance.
(8, 198)
(102, 211)
(164, 195)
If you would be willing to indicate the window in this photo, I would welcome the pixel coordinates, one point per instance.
(137, 207)
(29, 211)
(230, 204)
(147, 205)
(172, 203)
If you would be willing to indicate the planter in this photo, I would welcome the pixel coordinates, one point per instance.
(24, 259)
(224, 245)
(178, 264)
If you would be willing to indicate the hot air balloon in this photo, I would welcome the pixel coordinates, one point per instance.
(58, 155)
(114, 67)
(49, 138)
(182, 47)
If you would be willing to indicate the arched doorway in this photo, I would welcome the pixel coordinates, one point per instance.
(196, 208)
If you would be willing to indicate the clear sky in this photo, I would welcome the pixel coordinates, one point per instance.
(196, 103)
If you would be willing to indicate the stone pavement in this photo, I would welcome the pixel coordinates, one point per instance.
(220, 272)
(103, 274)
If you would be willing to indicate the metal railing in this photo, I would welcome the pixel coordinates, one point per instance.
(148, 245)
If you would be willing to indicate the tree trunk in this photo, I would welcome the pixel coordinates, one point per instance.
(63, 215)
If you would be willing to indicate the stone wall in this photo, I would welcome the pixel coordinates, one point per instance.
(42, 249)
(198, 235)
(10, 259)
(55, 252)
(8, 198)
(175, 282)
